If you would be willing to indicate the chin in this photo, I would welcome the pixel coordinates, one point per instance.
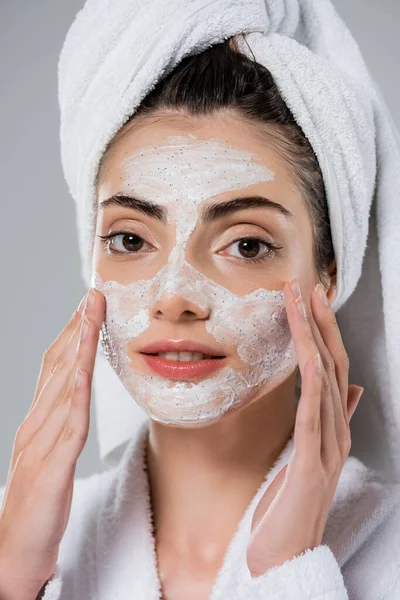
(208, 414)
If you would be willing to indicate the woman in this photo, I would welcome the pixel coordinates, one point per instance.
(211, 233)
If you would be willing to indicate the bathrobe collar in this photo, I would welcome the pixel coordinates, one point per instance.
(126, 554)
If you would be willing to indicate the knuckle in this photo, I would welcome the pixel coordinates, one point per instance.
(70, 440)
(67, 433)
(60, 365)
(325, 383)
(75, 316)
(329, 364)
(65, 399)
(310, 424)
(49, 356)
(27, 458)
(21, 436)
(333, 321)
(72, 432)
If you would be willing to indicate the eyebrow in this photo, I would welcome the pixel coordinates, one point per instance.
(147, 208)
(218, 210)
(213, 212)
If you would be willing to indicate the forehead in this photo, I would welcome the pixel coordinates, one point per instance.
(183, 144)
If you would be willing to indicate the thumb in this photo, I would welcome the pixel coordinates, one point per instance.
(268, 497)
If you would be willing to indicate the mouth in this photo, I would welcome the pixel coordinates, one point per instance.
(183, 360)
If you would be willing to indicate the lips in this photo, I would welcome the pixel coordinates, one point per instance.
(182, 359)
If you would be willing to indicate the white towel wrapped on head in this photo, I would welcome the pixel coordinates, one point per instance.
(114, 54)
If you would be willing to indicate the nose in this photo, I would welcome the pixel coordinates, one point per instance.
(175, 308)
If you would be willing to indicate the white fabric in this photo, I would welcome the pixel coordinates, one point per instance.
(117, 50)
(108, 549)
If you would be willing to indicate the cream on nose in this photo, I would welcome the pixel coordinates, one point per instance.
(173, 307)
(180, 295)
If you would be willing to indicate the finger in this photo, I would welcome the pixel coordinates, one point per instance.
(74, 435)
(331, 369)
(51, 356)
(56, 384)
(298, 316)
(52, 390)
(64, 372)
(312, 330)
(306, 347)
(54, 426)
(330, 332)
(308, 425)
(48, 396)
(50, 366)
(91, 323)
(268, 497)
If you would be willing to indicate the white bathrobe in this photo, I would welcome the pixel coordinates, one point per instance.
(108, 550)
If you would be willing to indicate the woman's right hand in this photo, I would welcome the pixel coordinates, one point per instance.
(38, 493)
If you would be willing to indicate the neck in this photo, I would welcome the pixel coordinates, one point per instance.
(202, 479)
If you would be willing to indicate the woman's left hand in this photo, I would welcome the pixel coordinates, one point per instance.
(291, 516)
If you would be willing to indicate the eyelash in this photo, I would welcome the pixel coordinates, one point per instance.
(273, 248)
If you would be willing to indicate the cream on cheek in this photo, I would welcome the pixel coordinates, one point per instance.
(181, 175)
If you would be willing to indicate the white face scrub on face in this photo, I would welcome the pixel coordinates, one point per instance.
(180, 176)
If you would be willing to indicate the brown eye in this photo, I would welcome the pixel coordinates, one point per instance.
(252, 249)
(131, 242)
(249, 248)
(124, 243)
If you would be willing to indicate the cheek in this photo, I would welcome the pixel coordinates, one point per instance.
(126, 269)
(304, 271)
(299, 259)
(251, 323)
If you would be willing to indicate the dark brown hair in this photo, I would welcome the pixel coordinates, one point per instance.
(222, 78)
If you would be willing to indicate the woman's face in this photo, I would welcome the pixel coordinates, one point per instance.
(204, 225)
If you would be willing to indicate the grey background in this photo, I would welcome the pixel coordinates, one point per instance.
(40, 278)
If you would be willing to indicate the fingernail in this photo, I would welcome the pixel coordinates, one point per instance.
(84, 328)
(361, 393)
(321, 294)
(299, 299)
(302, 308)
(318, 363)
(82, 304)
(295, 288)
(78, 378)
(91, 298)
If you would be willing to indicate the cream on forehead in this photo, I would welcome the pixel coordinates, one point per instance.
(186, 171)
(197, 168)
